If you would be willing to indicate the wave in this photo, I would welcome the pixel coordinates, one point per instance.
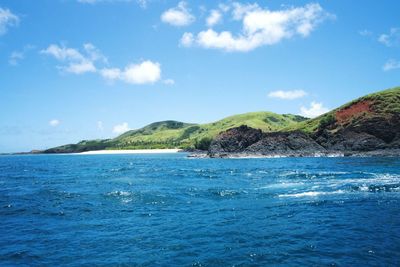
(312, 194)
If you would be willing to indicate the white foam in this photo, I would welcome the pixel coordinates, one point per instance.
(312, 194)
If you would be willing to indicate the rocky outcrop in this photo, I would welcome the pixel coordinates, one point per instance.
(244, 141)
(286, 143)
(235, 140)
(365, 133)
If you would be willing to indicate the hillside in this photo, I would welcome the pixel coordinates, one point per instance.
(371, 121)
(383, 104)
(369, 125)
(172, 134)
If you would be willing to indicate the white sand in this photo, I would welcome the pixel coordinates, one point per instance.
(137, 151)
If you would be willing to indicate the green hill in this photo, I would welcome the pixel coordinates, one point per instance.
(376, 107)
(174, 134)
(367, 126)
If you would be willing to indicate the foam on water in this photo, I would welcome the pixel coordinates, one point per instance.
(313, 194)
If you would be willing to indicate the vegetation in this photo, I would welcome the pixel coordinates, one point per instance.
(203, 144)
(174, 134)
(383, 104)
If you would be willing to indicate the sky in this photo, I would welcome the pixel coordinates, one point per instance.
(74, 70)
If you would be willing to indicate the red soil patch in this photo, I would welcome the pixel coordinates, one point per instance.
(353, 111)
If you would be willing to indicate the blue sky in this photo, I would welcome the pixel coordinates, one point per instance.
(86, 69)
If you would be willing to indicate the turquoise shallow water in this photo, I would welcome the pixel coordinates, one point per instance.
(169, 210)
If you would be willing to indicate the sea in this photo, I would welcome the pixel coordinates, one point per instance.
(172, 210)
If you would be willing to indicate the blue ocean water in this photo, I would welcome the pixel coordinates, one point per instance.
(170, 210)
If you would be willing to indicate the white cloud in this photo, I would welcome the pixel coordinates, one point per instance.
(214, 18)
(81, 67)
(121, 128)
(54, 123)
(287, 95)
(76, 62)
(169, 82)
(178, 16)
(111, 74)
(7, 19)
(146, 72)
(100, 126)
(224, 8)
(314, 110)
(390, 39)
(239, 10)
(263, 27)
(187, 39)
(16, 56)
(391, 64)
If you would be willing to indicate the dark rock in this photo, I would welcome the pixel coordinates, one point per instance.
(244, 141)
(283, 143)
(235, 140)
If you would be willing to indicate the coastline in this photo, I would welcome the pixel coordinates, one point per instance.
(299, 154)
(130, 151)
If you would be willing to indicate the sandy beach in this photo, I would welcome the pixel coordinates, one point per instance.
(138, 151)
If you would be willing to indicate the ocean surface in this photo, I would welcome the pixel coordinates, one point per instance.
(170, 210)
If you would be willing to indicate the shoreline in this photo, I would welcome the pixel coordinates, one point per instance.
(129, 151)
(294, 154)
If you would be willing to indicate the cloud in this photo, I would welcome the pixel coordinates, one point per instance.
(178, 16)
(169, 82)
(16, 56)
(287, 95)
(111, 74)
(75, 61)
(7, 19)
(391, 64)
(121, 128)
(263, 27)
(187, 39)
(314, 110)
(214, 18)
(85, 61)
(146, 72)
(54, 123)
(390, 39)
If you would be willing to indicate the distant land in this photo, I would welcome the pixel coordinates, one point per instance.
(369, 123)
(175, 134)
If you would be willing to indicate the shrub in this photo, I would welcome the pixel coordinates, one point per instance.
(203, 144)
(327, 120)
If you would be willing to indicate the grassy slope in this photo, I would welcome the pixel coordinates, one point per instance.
(383, 103)
(171, 134)
(162, 135)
